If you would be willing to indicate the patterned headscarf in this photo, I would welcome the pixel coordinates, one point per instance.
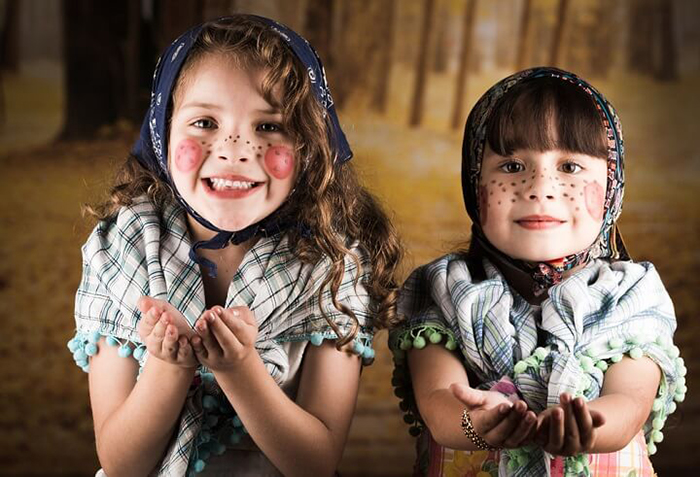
(151, 148)
(609, 243)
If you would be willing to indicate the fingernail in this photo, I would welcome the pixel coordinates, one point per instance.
(211, 317)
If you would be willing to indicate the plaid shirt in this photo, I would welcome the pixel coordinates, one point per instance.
(145, 252)
(590, 319)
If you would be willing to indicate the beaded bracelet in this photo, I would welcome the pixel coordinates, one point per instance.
(469, 431)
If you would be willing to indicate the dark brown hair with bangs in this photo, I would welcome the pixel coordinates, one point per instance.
(328, 196)
(547, 113)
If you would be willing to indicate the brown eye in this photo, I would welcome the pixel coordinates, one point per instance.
(269, 127)
(512, 167)
(204, 124)
(570, 168)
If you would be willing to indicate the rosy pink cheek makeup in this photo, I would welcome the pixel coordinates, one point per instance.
(279, 161)
(595, 197)
(188, 155)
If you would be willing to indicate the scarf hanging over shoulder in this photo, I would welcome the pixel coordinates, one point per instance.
(143, 252)
(589, 321)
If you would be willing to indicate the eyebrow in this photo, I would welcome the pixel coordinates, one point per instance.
(270, 110)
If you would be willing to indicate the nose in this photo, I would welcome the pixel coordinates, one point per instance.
(542, 187)
(234, 147)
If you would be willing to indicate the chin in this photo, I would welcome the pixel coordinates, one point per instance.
(233, 224)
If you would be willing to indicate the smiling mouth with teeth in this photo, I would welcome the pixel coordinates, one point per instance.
(218, 184)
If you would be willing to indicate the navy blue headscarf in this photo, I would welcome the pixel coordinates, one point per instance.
(151, 148)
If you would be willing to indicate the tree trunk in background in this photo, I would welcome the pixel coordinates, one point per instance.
(94, 34)
(668, 64)
(319, 19)
(9, 37)
(521, 59)
(174, 17)
(640, 54)
(458, 111)
(422, 65)
(381, 90)
(558, 36)
(440, 50)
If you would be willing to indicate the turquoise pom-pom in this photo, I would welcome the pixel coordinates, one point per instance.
(94, 336)
(316, 339)
(237, 421)
(73, 345)
(80, 355)
(207, 377)
(112, 341)
(358, 347)
(85, 368)
(369, 353)
(139, 352)
(451, 345)
(219, 448)
(436, 337)
(91, 349)
(419, 342)
(124, 351)
(520, 367)
(199, 465)
(209, 402)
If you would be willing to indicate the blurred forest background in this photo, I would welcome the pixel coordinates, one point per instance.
(75, 78)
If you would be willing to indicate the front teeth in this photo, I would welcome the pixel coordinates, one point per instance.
(221, 184)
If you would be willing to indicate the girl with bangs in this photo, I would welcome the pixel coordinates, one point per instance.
(543, 349)
(233, 283)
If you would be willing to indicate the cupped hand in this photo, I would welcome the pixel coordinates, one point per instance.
(165, 342)
(148, 322)
(225, 337)
(568, 428)
(499, 421)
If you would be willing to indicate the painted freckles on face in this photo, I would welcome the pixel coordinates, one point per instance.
(188, 155)
(279, 161)
(541, 206)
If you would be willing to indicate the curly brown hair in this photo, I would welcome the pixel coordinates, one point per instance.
(327, 197)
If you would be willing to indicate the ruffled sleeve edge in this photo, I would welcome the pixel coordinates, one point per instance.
(85, 344)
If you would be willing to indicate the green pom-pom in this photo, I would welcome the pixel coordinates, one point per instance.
(586, 363)
(520, 367)
(674, 352)
(657, 405)
(435, 338)
(406, 344)
(672, 407)
(636, 353)
(451, 345)
(616, 358)
(419, 342)
(651, 447)
(602, 365)
(578, 466)
(657, 424)
(615, 343)
(657, 436)
(540, 353)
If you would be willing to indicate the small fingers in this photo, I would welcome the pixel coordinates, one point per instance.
(572, 438)
(170, 343)
(522, 432)
(504, 429)
(184, 351)
(585, 423)
(491, 418)
(556, 431)
(221, 331)
(198, 347)
(208, 340)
